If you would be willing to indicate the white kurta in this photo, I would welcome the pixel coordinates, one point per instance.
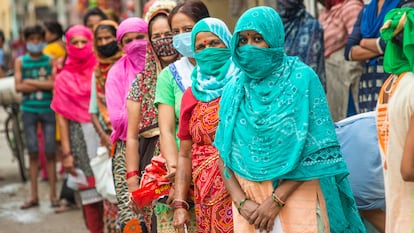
(399, 194)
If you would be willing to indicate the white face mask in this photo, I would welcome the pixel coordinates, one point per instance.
(182, 43)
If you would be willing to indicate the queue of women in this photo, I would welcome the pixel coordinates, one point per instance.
(244, 130)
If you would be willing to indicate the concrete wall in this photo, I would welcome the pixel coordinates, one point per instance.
(221, 9)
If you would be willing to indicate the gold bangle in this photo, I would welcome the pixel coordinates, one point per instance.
(279, 203)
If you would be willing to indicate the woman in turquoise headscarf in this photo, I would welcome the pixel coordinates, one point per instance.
(281, 159)
(198, 158)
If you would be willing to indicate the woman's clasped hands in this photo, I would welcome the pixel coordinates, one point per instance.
(262, 216)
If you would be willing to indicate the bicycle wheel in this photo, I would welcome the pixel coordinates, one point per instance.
(15, 140)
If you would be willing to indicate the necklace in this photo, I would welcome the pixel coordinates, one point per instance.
(389, 88)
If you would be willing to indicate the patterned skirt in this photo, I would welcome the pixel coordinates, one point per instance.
(82, 151)
(125, 215)
(213, 203)
(165, 215)
(111, 217)
(148, 148)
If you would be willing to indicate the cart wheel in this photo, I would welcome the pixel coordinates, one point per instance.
(15, 140)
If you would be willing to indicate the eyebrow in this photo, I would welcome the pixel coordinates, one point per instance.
(254, 34)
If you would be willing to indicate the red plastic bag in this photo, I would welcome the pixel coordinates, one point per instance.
(153, 183)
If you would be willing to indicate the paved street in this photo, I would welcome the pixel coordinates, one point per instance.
(13, 192)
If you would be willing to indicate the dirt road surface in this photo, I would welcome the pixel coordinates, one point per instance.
(13, 192)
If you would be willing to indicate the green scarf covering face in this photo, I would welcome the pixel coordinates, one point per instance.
(399, 58)
(263, 64)
(277, 126)
(214, 66)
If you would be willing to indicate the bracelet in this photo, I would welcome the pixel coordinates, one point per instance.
(241, 203)
(178, 203)
(131, 174)
(279, 203)
(378, 43)
(65, 155)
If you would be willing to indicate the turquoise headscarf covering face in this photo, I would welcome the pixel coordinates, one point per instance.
(214, 67)
(277, 126)
(265, 60)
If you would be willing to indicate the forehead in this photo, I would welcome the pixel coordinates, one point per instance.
(249, 33)
(78, 38)
(160, 24)
(93, 19)
(180, 20)
(104, 33)
(35, 37)
(201, 36)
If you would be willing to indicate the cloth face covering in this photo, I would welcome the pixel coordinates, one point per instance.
(182, 43)
(259, 62)
(164, 47)
(73, 83)
(214, 65)
(109, 49)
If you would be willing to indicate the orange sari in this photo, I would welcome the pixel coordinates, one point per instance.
(213, 203)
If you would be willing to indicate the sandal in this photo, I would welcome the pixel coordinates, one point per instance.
(29, 204)
(64, 208)
(54, 203)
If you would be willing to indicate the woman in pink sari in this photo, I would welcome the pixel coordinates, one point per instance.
(78, 137)
(132, 38)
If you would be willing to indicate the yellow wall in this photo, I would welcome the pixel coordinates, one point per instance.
(43, 2)
(5, 17)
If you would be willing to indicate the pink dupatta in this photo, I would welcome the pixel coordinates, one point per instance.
(122, 74)
(73, 83)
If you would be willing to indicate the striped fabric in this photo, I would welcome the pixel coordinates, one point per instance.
(338, 23)
(38, 69)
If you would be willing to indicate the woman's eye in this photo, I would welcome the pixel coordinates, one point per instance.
(168, 34)
(258, 39)
(155, 36)
(243, 41)
(175, 32)
(200, 47)
(187, 29)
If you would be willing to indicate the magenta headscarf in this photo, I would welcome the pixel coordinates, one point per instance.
(122, 74)
(73, 83)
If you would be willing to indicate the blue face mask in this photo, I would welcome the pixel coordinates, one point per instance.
(35, 48)
(182, 43)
